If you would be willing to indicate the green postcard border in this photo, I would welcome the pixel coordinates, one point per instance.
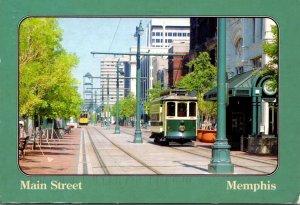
(153, 189)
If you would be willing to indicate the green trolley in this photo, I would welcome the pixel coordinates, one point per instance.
(173, 118)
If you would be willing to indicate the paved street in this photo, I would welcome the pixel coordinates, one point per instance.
(95, 150)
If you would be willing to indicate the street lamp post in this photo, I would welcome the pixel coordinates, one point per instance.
(102, 107)
(138, 132)
(108, 110)
(117, 127)
(95, 107)
(220, 162)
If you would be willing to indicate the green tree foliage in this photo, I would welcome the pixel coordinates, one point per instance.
(113, 109)
(128, 106)
(152, 94)
(271, 49)
(201, 80)
(46, 85)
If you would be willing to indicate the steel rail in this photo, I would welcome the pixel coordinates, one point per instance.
(241, 157)
(129, 154)
(99, 158)
(201, 155)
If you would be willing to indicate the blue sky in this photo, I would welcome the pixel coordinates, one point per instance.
(83, 35)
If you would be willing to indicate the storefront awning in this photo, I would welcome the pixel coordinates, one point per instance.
(238, 86)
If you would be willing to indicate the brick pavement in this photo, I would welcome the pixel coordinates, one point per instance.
(60, 158)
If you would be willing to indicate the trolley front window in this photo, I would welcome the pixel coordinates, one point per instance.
(83, 115)
(181, 110)
(192, 109)
(171, 109)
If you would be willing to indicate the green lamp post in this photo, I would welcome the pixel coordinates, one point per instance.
(117, 127)
(220, 162)
(138, 132)
(108, 110)
(102, 107)
(95, 107)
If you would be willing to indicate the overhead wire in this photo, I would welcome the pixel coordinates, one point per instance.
(114, 35)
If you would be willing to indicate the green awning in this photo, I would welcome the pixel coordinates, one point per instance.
(238, 86)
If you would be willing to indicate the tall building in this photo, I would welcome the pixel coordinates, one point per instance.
(108, 69)
(177, 68)
(132, 64)
(244, 40)
(203, 37)
(160, 70)
(162, 32)
(127, 80)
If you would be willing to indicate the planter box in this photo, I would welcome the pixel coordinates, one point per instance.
(263, 145)
(207, 135)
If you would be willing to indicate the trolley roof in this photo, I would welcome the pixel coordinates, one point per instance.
(177, 95)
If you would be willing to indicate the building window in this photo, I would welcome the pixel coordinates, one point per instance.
(169, 40)
(188, 34)
(157, 33)
(169, 34)
(153, 33)
(179, 34)
(174, 34)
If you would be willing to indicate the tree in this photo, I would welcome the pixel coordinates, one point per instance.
(202, 79)
(152, 94)
(271, 49)
(128, 106)
(46, 85)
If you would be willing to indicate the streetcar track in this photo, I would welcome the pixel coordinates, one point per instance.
(84, 160)
(232, 155)
(126, 152)
(201, 155)
(99, 158)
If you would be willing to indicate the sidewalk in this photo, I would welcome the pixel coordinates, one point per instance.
(238, 153)
(61, 158)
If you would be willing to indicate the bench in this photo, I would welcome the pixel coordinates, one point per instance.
(68, 129)
(22, 145)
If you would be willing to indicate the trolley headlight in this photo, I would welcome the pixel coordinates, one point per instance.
(181, 126)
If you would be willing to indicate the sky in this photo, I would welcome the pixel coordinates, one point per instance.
(83, 35)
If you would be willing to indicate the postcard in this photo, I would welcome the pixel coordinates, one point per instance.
(139, 102)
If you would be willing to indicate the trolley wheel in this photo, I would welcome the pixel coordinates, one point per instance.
(165, 143)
